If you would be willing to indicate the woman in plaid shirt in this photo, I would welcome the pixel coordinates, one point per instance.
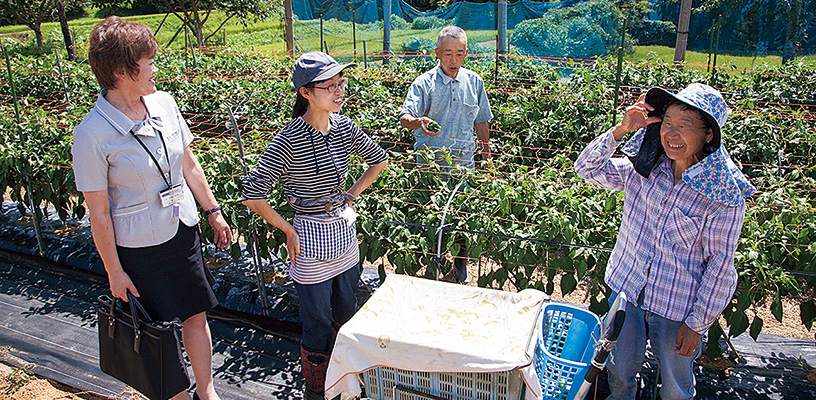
(684, 205)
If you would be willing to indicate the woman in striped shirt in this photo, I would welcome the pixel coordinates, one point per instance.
(311, 156)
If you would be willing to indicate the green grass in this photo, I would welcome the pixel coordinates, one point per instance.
(700, 60)
(266, 37)
(82, 27)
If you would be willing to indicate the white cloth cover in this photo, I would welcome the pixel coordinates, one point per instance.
(423, 325)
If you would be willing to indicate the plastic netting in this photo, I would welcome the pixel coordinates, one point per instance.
(754, 26)
(469, 16)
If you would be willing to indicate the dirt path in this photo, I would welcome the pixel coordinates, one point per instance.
(22, 384)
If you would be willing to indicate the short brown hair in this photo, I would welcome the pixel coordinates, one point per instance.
(116, 45)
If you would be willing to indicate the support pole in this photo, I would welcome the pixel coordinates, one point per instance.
(354, 32)
(192, 52)
(62, 79)
(496, 65)
(501, 41)
(321, 33)
(618, 74)
(66, 33)
(289, 31)
(682, 31)
(711, 50)
(35, 221)
(365, 56)
(713, 80)
(13, 91)
(386, 30)
(253, 244)
(156, 32)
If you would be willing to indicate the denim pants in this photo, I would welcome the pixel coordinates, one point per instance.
(626, 360)
(324, 307)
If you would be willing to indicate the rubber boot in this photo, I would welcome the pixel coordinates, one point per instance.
(462, 275)
(314, 365)
(460, 261)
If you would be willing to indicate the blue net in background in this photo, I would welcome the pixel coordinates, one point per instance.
(467, 15)
(590, 28)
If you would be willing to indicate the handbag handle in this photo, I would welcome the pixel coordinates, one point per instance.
(135, 309)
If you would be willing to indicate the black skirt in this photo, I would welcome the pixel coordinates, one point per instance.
(170, 277)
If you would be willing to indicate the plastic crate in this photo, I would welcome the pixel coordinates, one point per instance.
(380, 382)
(565, 349)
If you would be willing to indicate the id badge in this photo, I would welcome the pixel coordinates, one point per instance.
(171, 195)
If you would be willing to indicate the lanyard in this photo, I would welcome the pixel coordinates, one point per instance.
(331, 155)
(334, 162)
(169, 173)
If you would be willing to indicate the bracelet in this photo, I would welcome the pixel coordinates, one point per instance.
(349, 197)
(212, 211)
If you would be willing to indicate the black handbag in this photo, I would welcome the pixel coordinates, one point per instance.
(138, 351)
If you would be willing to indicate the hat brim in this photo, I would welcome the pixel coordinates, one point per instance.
(331, 72)
(659, 97)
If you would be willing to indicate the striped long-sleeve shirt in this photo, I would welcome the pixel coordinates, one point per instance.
(675, 245)
(310, 165)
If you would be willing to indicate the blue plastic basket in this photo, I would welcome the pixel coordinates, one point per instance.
(565, 348)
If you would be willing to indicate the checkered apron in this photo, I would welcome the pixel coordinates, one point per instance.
(324, 236)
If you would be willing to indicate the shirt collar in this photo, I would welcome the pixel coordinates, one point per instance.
(718, 178)
(125, 125)
(445, 78)
(715, 176)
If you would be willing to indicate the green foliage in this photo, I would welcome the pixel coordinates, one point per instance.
(432, 22)
(589, 30)
(652, 32)
(18, 378)
(543, 118)
(419, 45)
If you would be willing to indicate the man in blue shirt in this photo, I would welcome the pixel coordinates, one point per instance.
(455, 98)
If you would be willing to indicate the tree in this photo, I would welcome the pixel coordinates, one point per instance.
(30, 13)
(195, 13)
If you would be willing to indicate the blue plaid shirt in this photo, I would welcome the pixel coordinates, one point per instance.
(456, 104)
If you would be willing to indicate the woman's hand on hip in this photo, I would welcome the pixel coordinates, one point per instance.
(120, 284)
(292, 245)
(223, 234)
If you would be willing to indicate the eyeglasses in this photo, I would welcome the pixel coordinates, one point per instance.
(337, 87)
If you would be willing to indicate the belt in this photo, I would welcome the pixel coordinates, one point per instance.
(327, 208)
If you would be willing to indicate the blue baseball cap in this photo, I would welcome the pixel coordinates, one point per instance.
(316, 66)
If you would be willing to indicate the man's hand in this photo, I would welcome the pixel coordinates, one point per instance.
(410, 122)
(687, 341)
(425, 124)
(487, 156)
